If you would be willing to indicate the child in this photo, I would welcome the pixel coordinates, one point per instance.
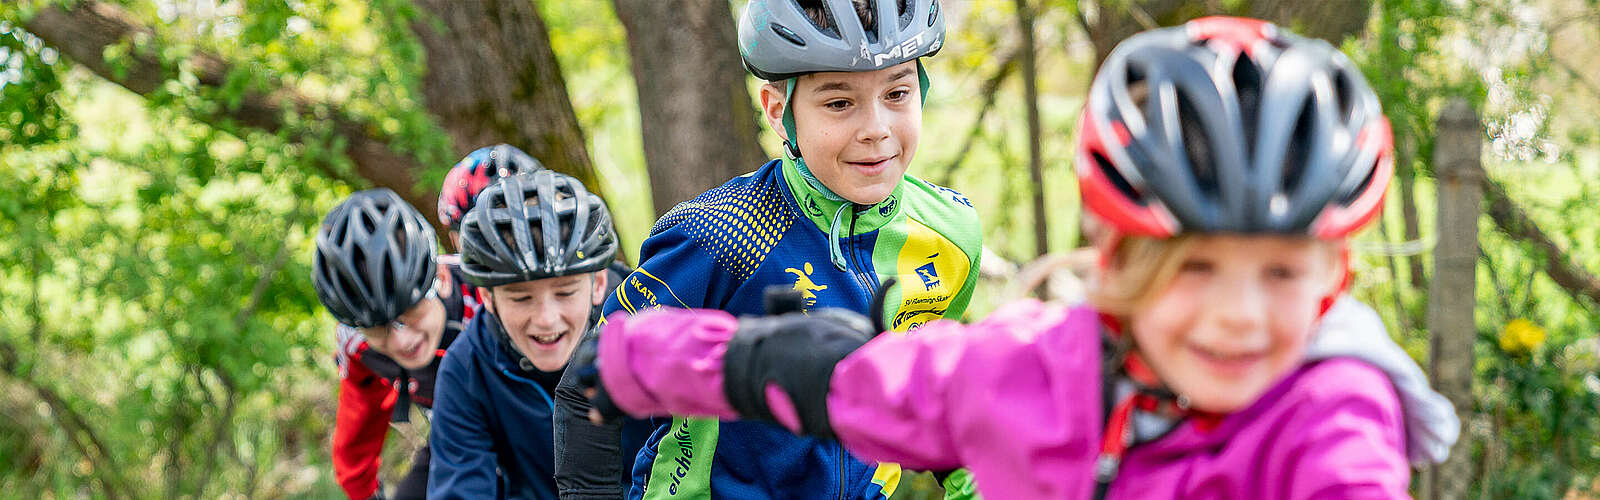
(538, 244)
(376, 272)
(836, 215)
(1230, 161)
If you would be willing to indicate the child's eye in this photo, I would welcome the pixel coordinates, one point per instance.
(522, 299)
(1196, 266)
(565, 294)
(1282, 273)
(898, 95)
(836, 105)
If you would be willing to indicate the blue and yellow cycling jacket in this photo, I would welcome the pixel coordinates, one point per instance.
(722, 249)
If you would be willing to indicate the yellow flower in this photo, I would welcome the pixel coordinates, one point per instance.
(1521, 335)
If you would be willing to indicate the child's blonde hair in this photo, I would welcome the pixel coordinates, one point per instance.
(1145, 266)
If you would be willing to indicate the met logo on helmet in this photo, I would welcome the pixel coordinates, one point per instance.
(902, 50)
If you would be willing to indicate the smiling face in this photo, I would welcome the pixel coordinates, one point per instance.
(857, 131)
(545, 318)
(1235, 316)
(412, 339)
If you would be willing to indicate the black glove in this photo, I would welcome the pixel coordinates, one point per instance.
(586, 364)
(798, 353)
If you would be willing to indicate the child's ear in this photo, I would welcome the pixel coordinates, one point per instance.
(773, 100)
(1337, 279)
(602, 284)
(442, 284)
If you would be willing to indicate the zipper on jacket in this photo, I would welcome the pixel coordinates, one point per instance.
(536, 386)
(860, 272)
(839, 456)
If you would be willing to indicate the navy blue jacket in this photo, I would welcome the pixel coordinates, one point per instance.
(491, 434)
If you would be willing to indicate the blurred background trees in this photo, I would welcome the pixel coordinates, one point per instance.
(165, 164)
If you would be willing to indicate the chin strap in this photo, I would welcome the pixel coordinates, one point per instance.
(1133, 393)
(791, 151)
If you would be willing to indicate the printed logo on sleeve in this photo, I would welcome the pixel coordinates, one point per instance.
(929, 274)
(643, 291)
(802, 282)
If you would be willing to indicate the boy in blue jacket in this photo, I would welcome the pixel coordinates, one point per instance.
(538, 244)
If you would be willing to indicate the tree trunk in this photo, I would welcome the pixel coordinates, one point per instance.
(695, 110)
(1453, 296)
(492, 77)
(1030, 91)
(1407, 174)
(1108, 22)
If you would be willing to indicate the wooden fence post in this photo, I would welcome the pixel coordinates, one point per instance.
(1452, 295)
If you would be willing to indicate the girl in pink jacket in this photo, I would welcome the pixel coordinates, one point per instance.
(1229, 161)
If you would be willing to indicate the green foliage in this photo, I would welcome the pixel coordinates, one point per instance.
(1534, 416)
(154, 277)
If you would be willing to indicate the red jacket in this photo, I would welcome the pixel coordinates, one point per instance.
(367, 393)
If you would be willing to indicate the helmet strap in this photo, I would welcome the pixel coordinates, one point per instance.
(1344, 280)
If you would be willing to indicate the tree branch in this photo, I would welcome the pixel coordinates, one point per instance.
(221, 429)
(259, 291)
(84, 32)
(1512, 220)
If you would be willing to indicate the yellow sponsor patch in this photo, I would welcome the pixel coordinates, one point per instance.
(931, 270)
(887, 476)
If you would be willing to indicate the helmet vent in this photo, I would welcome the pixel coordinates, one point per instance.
(1247, 85)
(821, 16)
(1116, 178)
(1299, 149)
(1366, 182)
(1197, 147)
(1343, 88)
(903, 10)
(788, 35)
(370, 226)
(386, 279)
(933, 13)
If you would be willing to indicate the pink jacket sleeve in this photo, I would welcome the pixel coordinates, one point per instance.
(949, 394)
(941, 396)
(667, 361)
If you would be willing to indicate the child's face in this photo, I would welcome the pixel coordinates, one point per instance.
(1236, 317)
(412, 339)
(857, 131)
(546, 318)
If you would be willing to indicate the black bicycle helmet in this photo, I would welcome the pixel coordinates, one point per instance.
(535, 225)
(778, 40)
(374, 259)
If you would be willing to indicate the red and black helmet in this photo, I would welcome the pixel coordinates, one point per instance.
(1232, 125)
(475, 172)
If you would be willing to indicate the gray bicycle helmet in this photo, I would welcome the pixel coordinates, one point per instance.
(374, 259)
(1232, 125)
(535, 225)
(778, 41)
